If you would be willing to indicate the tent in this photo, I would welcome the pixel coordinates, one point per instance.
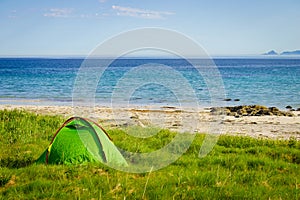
(79, 141)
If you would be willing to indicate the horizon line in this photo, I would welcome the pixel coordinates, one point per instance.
(144, 57)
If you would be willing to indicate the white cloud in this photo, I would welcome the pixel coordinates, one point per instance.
(102, 1)
(70, 13)
(141, 13)
(13, 14)
(59, 12)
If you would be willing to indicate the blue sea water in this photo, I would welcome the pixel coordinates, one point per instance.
(264, 81)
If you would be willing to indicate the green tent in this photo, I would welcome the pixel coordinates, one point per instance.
(79, 141)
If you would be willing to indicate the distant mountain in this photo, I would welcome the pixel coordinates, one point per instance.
(289, 53)
(285, 53)
(271, 53)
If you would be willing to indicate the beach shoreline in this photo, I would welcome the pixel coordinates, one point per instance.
(178, 119)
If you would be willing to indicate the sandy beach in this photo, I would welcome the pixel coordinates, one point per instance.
(191, 120)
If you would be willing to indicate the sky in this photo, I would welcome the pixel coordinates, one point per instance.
(75, 28)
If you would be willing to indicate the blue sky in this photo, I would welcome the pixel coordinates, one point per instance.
(73, 27)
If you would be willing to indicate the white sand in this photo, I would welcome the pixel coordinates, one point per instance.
(274, 127)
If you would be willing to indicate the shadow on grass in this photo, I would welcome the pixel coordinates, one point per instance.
(13, 163)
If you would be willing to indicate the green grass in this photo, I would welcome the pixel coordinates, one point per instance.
(237, 168)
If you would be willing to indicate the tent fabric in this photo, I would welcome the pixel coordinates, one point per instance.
(79, 141)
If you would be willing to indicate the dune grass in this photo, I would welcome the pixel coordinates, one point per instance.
(237, 168)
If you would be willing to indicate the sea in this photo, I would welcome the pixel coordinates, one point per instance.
(155, 82)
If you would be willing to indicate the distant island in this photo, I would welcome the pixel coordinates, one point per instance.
(297, 52)
(285, 53)
(271, 53)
